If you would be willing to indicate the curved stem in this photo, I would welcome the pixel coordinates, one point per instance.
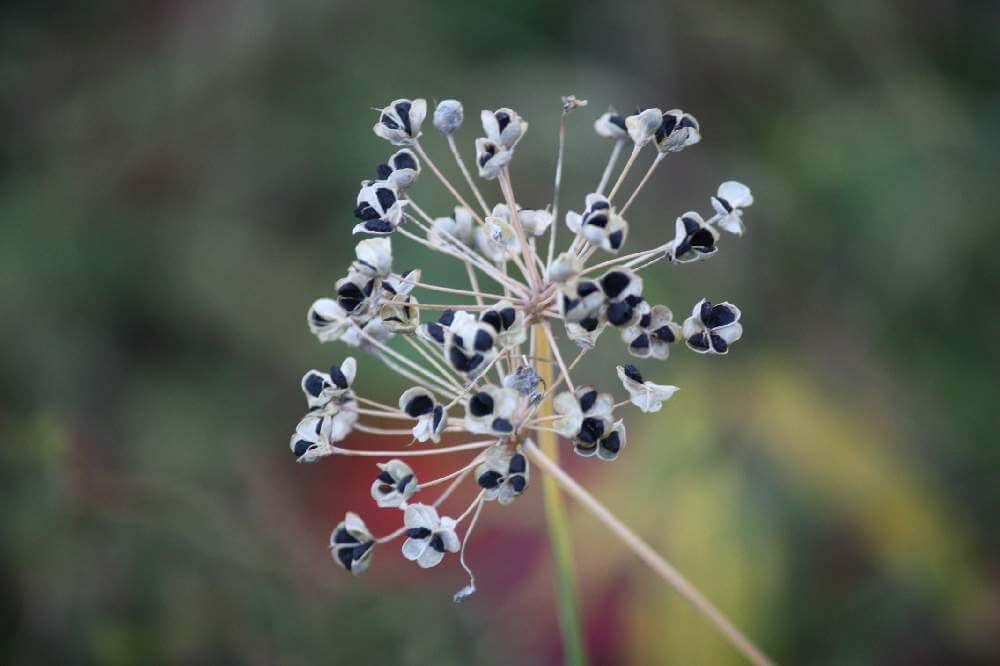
(646, 553)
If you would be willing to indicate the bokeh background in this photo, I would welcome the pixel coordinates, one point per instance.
(176, 182)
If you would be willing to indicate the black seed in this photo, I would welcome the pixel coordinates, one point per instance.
(437, 543)
(617, 121)
(366, 212)
(418, 532)
(436, 332)
(359, 551)
(721, 315)
(438, 415)
(350, 290)
(422, 404)
(668, 126)
(490, 479)
(725, 204)
(665, 333)
(379, 226)
(502, 425)
(301, 447)
(612, 443)
(483, 341)
(318, 318)
(343, 536)
(401, 486)
(461, 361)
(314, 385)
(503, 119)
(705, 313)
(591, 430)
(645, 319)
(518, 483)
(619, 313)
(485, 157)
(587, 400)
(481, 404)
(492, 318)
(632, 373)
(597, 220)
(517, 464)
(403, 109)
(349, 304)
(702, 238)
(641, 342)
(405, 160)
(615, 239)
(389, 122)
(386, 478)
(687, 121)
(346, 557)
(446, 317)
(569, 303)
(690, 225)
(338, 377)
(385, 197)
(590, 324)
(508, 316)
(586, 448)
(633, 300)
(698, 341)
(383, 171)
(718, 344)
(600, 205)
(614, 283)
(585, 289)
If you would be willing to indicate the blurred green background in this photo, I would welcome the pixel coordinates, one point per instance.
(176, 182)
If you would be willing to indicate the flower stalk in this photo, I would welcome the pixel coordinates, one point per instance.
(648, 555)
(558, 527)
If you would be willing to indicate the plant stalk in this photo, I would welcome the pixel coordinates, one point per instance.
(555, 513)
(645, 552)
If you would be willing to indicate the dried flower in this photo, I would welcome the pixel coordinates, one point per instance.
(503, 475)
(479, 373)
(643, 125)
(503, 126)
(394, 484)
(448, 116)
(611, 125)
(729, 203)
(647, 396)
(399, 123)
(599, 224)
(428, 536)
(352, 545)
(712, 328)
(694, 239)
(677, 131)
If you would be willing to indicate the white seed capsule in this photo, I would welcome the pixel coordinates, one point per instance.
(448, 116)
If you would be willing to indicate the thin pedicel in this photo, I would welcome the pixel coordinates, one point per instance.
(497, 358)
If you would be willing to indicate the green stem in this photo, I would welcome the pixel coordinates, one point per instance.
(555, 514)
